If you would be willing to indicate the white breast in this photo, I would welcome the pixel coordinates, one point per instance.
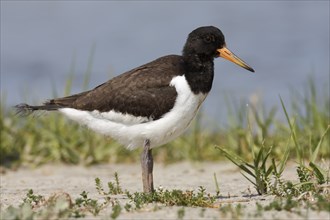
(133, 131)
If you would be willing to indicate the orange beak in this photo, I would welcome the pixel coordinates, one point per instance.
(228, 55)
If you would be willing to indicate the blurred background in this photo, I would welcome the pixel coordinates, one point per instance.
(43, 41)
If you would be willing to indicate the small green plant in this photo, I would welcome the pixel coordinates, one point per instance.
(181, 213)
(33, 199)
(116, 210)
(173, 197)
(60, 205)
(319, 202)
(232, 211)
(282, 204)
(114, 187)
(258, 170)
(312, 174)
(91, 205)
(261, 169)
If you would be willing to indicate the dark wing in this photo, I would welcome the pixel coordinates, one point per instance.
(144, 91)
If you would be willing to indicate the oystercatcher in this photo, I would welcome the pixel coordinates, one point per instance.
(151, 104)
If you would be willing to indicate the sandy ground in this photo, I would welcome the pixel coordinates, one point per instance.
(235, 189)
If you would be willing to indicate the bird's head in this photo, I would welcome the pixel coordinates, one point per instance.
(209, 43)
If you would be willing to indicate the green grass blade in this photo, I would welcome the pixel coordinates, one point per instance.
(298, 149)
(258, 158)
(237, 160)
(216, 184)
(249, 180)
(274, 167)
(266, 157)
(317, 149)
(268, 172)
(318, 173)
(284, 158)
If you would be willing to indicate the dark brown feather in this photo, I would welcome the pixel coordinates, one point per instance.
(143, 91)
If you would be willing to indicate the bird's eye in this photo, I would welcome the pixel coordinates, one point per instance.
(209, 38)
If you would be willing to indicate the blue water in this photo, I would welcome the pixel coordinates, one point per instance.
(284, 41)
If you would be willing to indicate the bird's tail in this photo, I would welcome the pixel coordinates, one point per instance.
(50, 105)
(25, 109)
